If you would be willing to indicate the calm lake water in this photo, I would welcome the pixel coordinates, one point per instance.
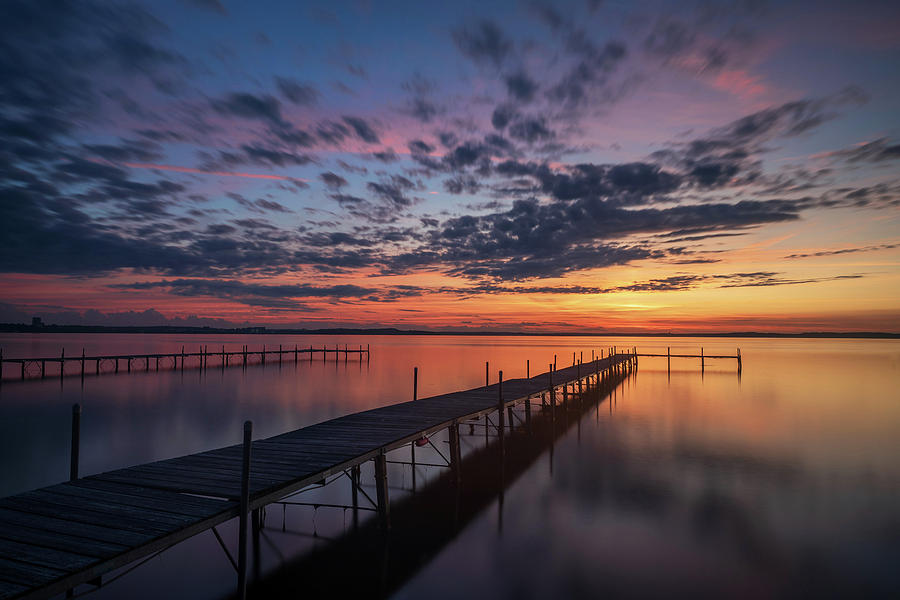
(784, 481)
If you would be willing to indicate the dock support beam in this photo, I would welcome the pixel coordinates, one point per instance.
(381, 489)
(455, 464)
(245, 508)
(76, 442)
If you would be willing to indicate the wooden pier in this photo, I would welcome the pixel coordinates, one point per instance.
(61, 536)
(703, 358)
(203, 358)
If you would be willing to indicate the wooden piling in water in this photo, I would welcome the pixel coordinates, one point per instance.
(381, 492)
(245, 508)
(76, 442)
(415, 383)
(500, 405)
(455, 459)
(487, 375)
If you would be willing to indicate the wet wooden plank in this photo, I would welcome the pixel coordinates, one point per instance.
(51, 523)
(45, 557)
(11, 590)
(59, 541)
(26, 574)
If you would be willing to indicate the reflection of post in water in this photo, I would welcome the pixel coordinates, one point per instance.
(421, 525)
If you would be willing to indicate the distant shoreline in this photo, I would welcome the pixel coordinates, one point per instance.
(165, 329)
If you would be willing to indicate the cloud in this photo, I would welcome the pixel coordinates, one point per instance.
(363, 129)
(302, 94)
(875, 151)
(852, 250)
(393, 190)
(332, 180)
(483, 42)
(520, 86)
(250, 106)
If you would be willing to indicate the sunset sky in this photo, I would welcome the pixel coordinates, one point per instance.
(593, 165)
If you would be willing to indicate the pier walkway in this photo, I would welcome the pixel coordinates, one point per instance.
(55, 538)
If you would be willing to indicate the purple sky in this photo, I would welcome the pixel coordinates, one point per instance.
(650, 164)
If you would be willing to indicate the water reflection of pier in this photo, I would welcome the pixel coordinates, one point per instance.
(425, 522)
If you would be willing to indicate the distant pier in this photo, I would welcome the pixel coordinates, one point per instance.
(203, 358)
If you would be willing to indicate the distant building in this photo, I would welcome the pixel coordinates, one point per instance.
(37, 322)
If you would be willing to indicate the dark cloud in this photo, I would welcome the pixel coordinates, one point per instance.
(302, 94)
(462, 183)
(875, 151)
(502, 115)
(386, 156)
(852, 250)
(249, 106)
(332, 180)
(592, 68)
(252, 294)
(420, 147)
(256, 155)
(520, 86)
(530, 130)
(483, 42)
(363, 129)
(394, 191)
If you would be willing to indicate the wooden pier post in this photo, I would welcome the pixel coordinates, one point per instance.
(82, 363)
(412, 444)
(324, 353)
(528, 369)
(23, 369)
(245, 509)
(500, 427)
(224, 357)
(551, 393)
(554, 363)
(62, 363)
(368, 354)
(739, 359)
(454, 451)
(263, 354)
(487, 376)
(182, 358)
(669, 360)
(381, 489)
(76, 442)
(117, 364)
(296, 351)
(129, 364)
(43, 367)
(702, 360)
(279, 353)
(354, 494)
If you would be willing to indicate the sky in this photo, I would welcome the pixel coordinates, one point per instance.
(515, 166)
